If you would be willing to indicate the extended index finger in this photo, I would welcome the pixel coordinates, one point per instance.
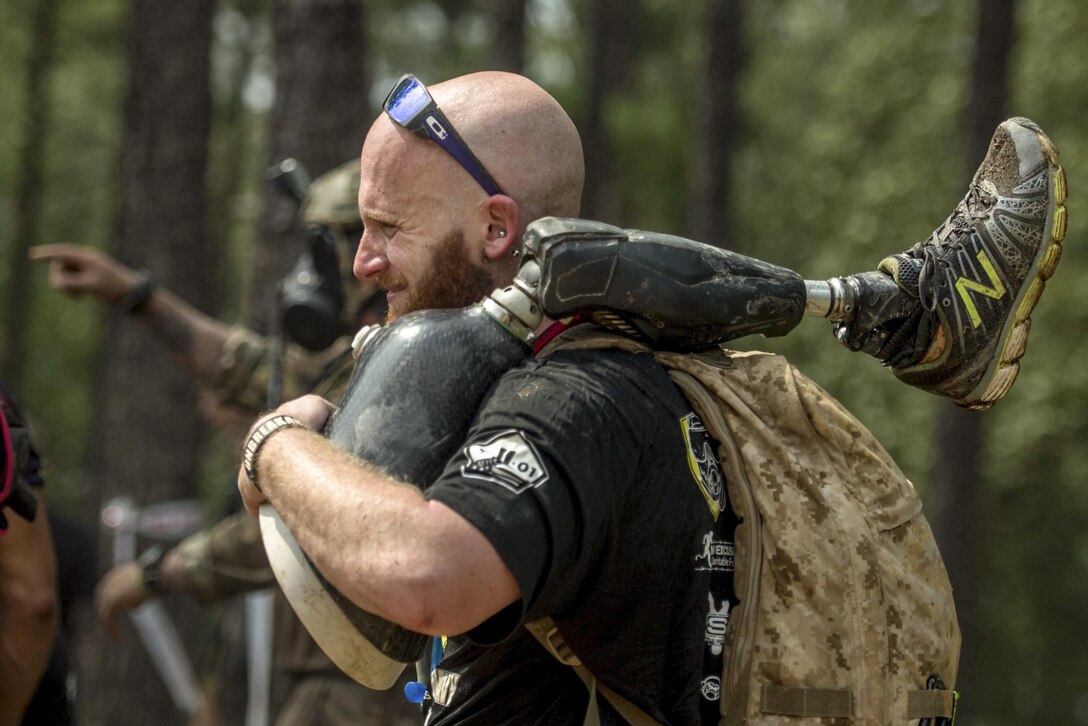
(52, 251)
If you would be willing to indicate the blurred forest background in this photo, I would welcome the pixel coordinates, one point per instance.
(816, 134)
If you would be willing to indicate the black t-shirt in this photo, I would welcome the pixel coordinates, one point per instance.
(597, 485)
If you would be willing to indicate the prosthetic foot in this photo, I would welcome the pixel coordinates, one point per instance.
(958, 322)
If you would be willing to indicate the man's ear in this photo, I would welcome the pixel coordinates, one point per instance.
(501, 235)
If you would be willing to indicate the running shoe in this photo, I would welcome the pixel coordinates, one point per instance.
(978, 277)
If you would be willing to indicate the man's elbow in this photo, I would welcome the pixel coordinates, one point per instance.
(420, 618)
(414, 603)
(430, 617)
(455, 582)
(445, 603)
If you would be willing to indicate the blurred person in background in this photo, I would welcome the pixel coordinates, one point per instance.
(323, 305)
(28, 575)
(74, 543)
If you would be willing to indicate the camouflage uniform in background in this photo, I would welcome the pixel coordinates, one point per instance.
(228, 559)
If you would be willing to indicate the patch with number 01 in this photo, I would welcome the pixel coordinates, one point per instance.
(508, 459)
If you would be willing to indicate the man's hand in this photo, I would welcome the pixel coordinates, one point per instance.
(119, 591)
(311, 410)
(76, 270)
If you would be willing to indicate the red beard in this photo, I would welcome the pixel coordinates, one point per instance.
(450, 281)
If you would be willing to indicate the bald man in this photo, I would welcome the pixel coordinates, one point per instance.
(609, 536)
(434, 242)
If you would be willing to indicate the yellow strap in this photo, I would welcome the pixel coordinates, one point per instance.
(546, 631)
(812, 702)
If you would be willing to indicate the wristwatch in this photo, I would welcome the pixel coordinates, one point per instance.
(260, 435)
(143, 284)
(150, 574)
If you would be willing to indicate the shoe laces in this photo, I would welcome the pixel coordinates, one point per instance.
(949, 236)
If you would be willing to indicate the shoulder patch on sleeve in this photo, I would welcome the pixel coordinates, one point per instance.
(703, 462)
(508, 459)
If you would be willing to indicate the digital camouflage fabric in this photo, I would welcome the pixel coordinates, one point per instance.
(846, 610)
(333, 198)
(246, 368)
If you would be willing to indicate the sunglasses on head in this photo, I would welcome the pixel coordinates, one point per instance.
(410, 105)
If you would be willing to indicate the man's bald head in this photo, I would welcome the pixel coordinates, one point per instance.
(521, 135)
(428, 225)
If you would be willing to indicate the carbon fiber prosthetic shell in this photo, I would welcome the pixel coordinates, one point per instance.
(673, 293)
(408, 404)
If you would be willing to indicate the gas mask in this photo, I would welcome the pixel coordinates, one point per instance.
(319, 295)
(312, 293)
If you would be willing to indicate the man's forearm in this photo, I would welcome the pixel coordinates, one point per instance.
(195, 338)
(223, 561)
(392, 552)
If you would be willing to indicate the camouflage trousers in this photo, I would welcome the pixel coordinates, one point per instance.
(330, 700)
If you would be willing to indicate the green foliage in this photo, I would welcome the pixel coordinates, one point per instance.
(1038, 462)
(850, 153)
(85, 91)
(851, 147)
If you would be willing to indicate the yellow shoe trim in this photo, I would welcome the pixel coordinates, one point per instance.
(1060, 222)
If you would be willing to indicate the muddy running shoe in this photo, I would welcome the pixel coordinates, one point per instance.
(980, 274)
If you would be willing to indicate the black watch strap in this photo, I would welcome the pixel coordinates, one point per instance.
(143, 284)
(150, 572)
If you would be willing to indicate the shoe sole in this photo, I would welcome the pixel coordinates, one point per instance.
(1002, 372)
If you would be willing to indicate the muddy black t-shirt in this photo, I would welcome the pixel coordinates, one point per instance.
(601, 491)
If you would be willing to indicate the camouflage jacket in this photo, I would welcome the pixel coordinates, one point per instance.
(228, 558)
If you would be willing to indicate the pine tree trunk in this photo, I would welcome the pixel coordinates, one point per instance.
(147, 435)
(612, 25)
(508, 40)
(960, 501)
(712, 168)
(320, 117)
(29, 194)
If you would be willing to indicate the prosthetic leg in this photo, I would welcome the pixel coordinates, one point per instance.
(419, 381)
(677, 294)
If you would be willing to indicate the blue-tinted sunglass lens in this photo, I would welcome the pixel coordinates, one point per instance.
(407, 100)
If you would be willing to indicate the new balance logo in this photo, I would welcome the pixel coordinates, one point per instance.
(965, 285)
